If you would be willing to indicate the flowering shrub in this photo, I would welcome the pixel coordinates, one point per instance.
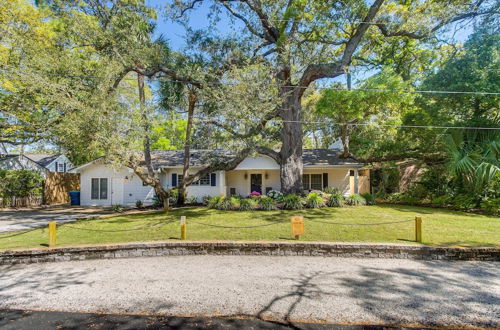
(274, 194)
(254, 194)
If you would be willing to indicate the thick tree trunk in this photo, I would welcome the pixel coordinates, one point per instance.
(291, 149)
(181, 199)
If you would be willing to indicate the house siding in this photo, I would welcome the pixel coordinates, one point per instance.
(62, 159)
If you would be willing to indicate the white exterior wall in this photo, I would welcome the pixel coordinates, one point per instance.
(132, 190)
(236, 179)
(337, 177)
(197, 191)
(62, 159)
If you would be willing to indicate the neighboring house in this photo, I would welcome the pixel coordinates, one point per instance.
(101, 184)
(41, 163)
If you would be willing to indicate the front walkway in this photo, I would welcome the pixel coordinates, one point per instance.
(20, 219)
(335, 290)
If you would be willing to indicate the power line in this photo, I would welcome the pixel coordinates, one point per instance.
(295, 86)
(371, 124)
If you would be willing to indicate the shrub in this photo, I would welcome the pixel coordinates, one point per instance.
(228, 203)
(370, 200)
(254, 194)
(157, 202)
(408, 199)
(440, 200)
(314, 200)
(118, 208)
(292, 202)
(206, 199)
(394, 197)
(355, 199)
(213, 202)
(335, 200)
(331, 190)
(491, 205)
(464, 201)
(267, 204)
(139, 204)
(247, 204)
(192, 200)
(274, 194)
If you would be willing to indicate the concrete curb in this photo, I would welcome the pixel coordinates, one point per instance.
(325, 249)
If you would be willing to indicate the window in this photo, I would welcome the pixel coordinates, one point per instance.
(316, 181)
(60, 167)
(99, 188)
(305, 181)
(312, 181)
(204, 181)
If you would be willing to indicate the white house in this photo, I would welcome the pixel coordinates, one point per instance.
(41, 163)
(101, 184)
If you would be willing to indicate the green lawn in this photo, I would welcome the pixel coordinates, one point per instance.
(440, 227)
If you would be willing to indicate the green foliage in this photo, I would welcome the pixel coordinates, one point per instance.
(192, 200)
(274, 194)
(314, 201)
(293, 202)
(335, 200)
(331, 190)
(228, 204)
(213, 202)
(247, 204)
(355, 200)
(139, 204)
(464, 201)
(267, 204)
(118, 208)
(20, 183)
(491, 205)
(370, 200)
(157, 202)
(440, 200)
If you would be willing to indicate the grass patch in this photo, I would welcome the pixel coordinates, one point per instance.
(440, 227)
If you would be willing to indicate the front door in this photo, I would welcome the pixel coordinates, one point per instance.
(256, 183)
(117, 191)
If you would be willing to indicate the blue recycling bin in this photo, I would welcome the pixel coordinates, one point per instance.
(74, 196)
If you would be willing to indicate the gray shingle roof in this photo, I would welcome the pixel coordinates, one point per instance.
(200, 158)
(42, 159)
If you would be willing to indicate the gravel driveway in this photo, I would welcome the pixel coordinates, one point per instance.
(373, 291)
(12, 220)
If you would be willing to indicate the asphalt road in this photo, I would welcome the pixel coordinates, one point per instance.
(21, 219)
(19, 319)
(290, 289)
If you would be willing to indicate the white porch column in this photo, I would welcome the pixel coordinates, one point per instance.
(221, 182)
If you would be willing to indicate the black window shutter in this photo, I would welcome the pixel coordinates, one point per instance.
(325, 180)
(174, 179)
(64, 167)
(57, 168)
(213, 181)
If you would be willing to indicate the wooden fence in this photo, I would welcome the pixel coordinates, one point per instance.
(57, 185)
(20, 201)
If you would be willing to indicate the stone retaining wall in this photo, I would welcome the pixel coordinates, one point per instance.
(352, 250)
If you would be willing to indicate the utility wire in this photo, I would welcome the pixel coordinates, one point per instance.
(295, 86)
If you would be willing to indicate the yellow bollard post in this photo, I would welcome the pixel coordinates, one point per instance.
(418, 229)
(52, 234)
(183, 228)
(297, 223)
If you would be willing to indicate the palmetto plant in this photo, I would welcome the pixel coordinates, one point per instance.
(474, 157)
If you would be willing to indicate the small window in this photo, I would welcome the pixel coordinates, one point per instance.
(99, 188)
(305, 181)
(351, 172)
(205, 181)
(316, 181)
